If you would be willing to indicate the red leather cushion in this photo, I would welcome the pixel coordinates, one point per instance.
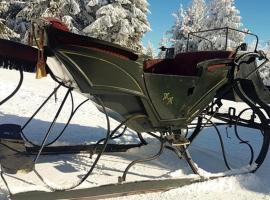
(56, 23)
(184, 64)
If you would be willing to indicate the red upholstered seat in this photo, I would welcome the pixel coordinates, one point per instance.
(184, 64)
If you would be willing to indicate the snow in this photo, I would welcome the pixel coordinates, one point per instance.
(89, 126)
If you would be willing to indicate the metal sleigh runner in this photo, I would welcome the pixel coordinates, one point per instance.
(160, 97)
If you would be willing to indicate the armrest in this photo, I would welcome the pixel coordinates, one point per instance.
(214, 64)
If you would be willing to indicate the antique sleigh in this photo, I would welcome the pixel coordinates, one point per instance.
(161, 96)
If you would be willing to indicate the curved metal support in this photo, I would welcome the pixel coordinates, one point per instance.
(96, 160)
(102, 150)
(68, 122)
(162, 145)
(221, 144)
(16, 89)
(5, 182)
(187, 157)
(227, 29)
(73, 112)
(143, 142)
(265, 128)
(197, 130)
(41, 106)
(55, 78)
(240, 139)
(116, 129)
(184, 153)
(51, 126)
(37, 111)
(113, 137)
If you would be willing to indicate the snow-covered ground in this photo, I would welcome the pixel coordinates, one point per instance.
(88, 126)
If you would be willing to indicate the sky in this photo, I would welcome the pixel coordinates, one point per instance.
(255, 17)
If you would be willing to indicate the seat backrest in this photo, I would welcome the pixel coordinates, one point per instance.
(184, 64)
(158, 66)
(58, 37)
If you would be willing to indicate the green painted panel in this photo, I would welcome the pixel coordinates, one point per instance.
(102, 73)
(170, 94)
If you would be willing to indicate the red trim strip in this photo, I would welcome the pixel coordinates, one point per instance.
(56, 23)
(213, 68)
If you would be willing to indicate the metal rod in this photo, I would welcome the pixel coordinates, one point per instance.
(265, 124)
(41, 106)
(241, 140)
(16, 89)
(228, 28)
(96, 160)
(102, 150)
(197, 130)
(68, 122)
(226, 42)
(187, 43)
(118, 127)
(162, 145)
(221, 143)
(189, 160)
(51, 126)
(5, 182)
(141, 138)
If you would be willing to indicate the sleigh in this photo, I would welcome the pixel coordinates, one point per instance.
(162, 96)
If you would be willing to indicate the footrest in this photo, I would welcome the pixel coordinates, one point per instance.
(13, 156)
(177, 140)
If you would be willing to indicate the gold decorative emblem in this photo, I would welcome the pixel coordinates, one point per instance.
(167, 98)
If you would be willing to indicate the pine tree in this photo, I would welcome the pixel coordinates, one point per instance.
(265, 71)
(187, 21)
(7, 12)
(7, 33)
(87, 13)
(223, 13)
(195, 16)
(64, 10)
(150, 50)
(163, 43)
(179, 31)
(217, 14)
(120, 21)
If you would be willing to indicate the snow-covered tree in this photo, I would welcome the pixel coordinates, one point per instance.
(4, 6)
(194, 18)
(163, 43)
(178, 31)
(120, 21)
(64, 10)
(186, 21)
(150, 50)
(265, 71)
(267, 46)
(87, 14)
(7, 10)
(7, 33)
(223, 13)
(199, 16)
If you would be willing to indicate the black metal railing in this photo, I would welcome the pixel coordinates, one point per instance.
(227, 30)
